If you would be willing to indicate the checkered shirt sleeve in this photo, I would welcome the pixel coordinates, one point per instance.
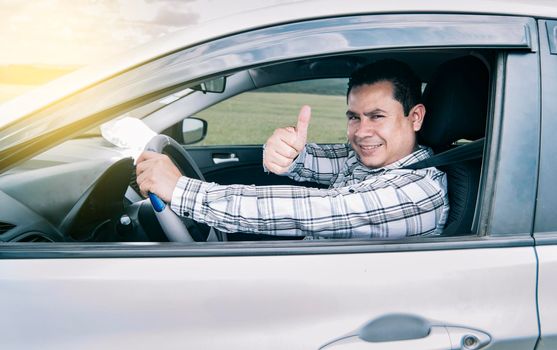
(394, 204)
(319, 163)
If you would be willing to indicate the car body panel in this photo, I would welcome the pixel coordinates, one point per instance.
(270, 302)
(547, 260)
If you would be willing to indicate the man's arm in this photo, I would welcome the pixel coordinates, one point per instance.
(389, 206)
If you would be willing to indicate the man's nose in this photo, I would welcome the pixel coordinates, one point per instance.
(365, 128)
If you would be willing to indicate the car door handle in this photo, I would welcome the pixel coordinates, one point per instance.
(406, 331)
(219, 158)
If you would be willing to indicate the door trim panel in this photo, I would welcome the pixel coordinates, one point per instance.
(256, 248)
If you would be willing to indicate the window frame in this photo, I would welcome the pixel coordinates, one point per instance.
(516, 97)
(545, 229)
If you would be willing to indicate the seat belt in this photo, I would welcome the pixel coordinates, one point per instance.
(469, 151)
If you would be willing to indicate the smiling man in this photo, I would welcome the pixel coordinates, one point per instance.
(371, 194)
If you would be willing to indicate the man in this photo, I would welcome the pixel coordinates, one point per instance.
(370, 193)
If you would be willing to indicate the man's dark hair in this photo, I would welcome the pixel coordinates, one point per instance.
(406, 85)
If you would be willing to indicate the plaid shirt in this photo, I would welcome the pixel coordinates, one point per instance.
(387, 202)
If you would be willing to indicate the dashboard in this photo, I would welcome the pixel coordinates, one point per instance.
(77, 201)
(84, 190)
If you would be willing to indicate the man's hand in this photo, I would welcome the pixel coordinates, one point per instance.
(156, 174)
(286, 143)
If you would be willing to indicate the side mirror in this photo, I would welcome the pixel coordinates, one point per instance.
(193, 130)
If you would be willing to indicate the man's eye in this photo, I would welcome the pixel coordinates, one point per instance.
(377, 116)
(352, 117)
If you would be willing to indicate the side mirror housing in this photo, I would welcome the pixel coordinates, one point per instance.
(193, 130)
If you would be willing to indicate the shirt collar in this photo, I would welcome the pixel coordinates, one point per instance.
(421, 153)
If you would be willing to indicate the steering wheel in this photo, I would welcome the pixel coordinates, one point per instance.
(174, 228)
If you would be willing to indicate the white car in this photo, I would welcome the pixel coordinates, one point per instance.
(85, 264)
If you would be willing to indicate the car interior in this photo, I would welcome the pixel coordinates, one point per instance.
(96, 199)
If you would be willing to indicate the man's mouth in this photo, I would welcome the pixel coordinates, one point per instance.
(370, 147)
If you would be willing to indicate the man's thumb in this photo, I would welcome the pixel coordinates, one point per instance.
(303, 123)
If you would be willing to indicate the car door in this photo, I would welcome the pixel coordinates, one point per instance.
(417, 293)
(234, 164)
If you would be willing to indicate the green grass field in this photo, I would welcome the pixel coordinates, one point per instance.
(251, 118)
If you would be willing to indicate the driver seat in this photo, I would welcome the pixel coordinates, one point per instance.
(456, 103)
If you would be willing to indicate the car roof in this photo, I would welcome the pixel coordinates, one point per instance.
(262, 17)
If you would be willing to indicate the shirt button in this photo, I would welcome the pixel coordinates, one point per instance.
(351, 190)
(186, 214)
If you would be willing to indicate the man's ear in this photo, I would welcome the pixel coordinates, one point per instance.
(417, 114)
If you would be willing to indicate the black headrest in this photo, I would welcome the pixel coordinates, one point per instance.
(456, 103)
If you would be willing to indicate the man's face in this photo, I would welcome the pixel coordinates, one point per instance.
(377, 129)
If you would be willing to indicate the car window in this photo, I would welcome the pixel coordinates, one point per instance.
(178, 71)
(250, 118)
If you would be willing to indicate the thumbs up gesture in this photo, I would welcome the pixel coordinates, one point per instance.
(286, 143)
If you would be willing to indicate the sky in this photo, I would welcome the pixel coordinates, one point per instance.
(80, 32)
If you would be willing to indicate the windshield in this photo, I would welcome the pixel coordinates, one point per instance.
(140, 112)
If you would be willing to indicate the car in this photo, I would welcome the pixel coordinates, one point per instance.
(84, 262)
